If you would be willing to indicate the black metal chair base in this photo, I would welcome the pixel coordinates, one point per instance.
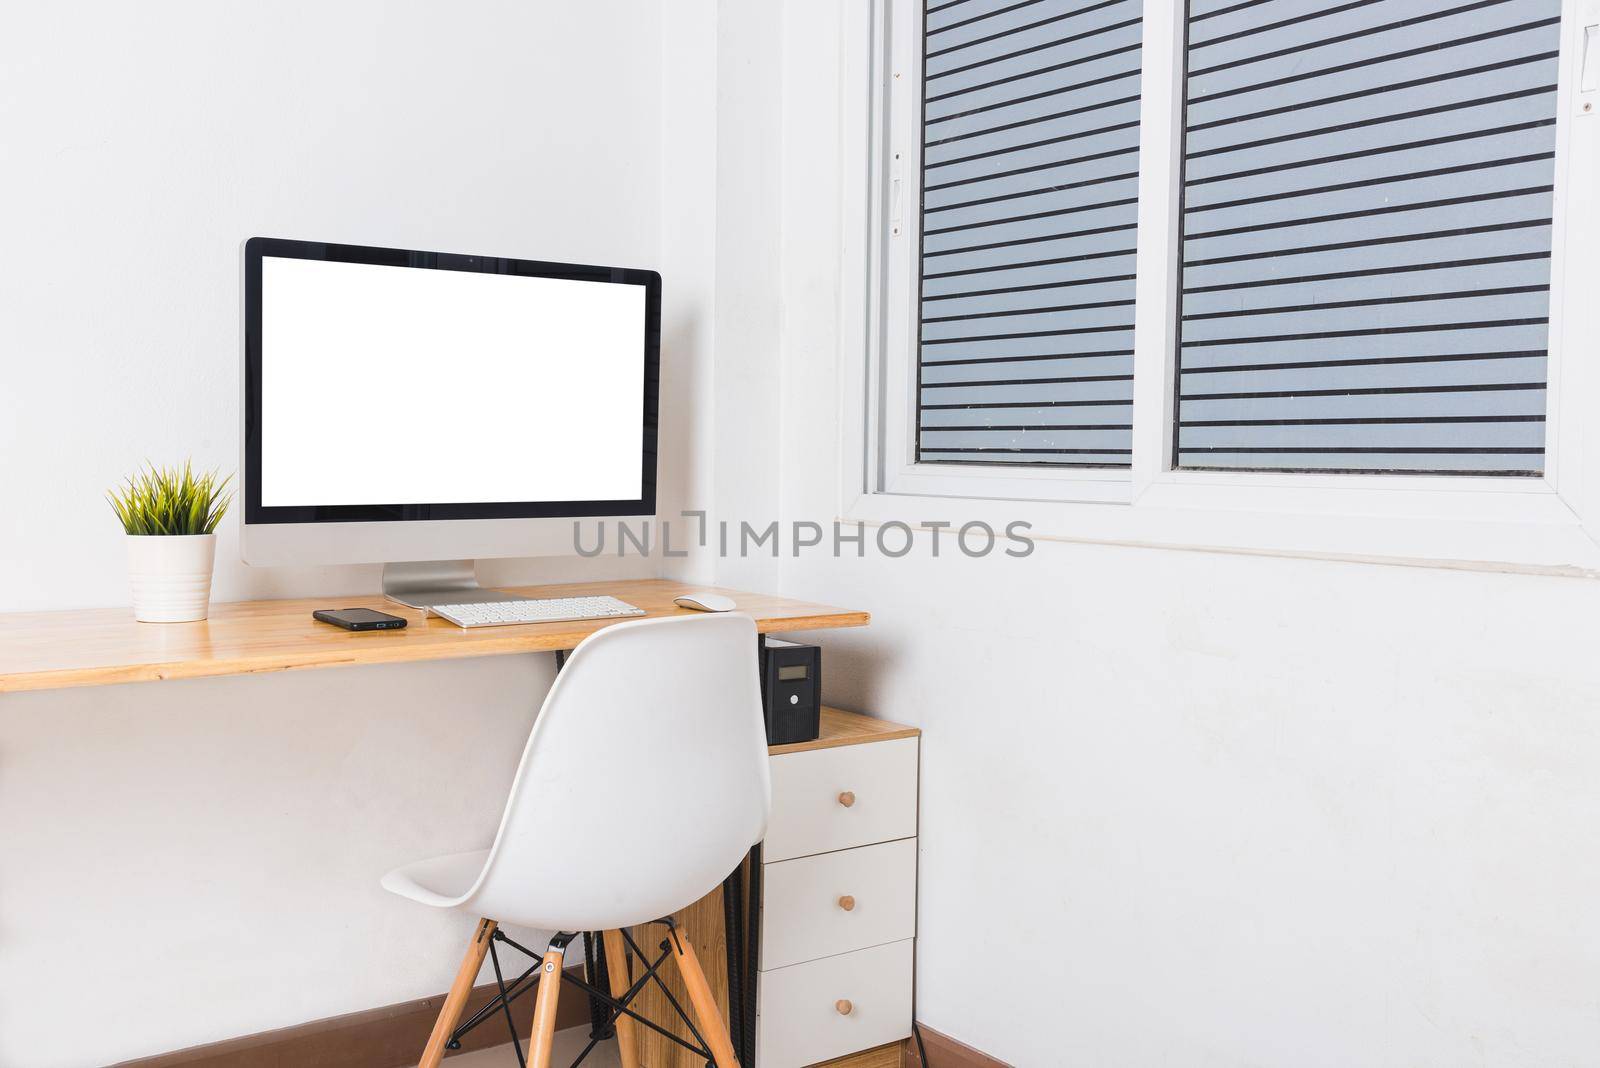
(605, 1010)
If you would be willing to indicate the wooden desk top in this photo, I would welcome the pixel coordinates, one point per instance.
(95, 647)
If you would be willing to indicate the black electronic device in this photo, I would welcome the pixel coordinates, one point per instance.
(358, 619)
(519, 327)
(791, 691)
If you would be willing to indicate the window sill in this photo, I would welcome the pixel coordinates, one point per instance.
(1483, 524)
(1099, 485)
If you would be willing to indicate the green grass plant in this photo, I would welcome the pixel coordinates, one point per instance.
(171, 501)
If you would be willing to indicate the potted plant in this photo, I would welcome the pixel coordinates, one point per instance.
(171, 516)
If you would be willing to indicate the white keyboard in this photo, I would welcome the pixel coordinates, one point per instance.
(551, 610)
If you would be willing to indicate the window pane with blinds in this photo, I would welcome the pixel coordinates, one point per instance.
(1029, 205)
(1366, 235)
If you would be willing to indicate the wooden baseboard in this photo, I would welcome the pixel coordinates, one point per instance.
(390, 1037)
(946, 1052)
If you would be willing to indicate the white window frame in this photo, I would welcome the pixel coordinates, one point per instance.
(1548, 523)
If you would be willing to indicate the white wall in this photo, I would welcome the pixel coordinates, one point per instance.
(1201, 809)
(750, 175)
(144, 142)
(1223, 810)
(203, 855)
(210, 850)
(688, 255)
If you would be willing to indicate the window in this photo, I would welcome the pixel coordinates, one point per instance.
(1367, 200)
(1227, 256)
(1030, 194)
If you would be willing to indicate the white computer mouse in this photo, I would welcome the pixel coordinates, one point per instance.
(702, 601)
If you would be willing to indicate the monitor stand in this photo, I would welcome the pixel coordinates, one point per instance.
(426, 583)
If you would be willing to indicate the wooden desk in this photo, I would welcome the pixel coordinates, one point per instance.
(96, 647)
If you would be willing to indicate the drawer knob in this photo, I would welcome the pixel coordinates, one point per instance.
(847, 798)
(844, 1007)
(847, 903)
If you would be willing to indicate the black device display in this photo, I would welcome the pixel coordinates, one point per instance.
(359, 619)
(459, 280)
(791, 691)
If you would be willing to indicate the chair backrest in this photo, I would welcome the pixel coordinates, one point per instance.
(644, 781)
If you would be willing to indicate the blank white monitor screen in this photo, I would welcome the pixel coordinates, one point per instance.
(393, 385)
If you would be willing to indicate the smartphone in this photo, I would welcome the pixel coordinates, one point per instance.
(358, 619)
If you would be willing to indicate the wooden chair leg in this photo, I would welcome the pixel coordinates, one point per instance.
(456, 1000)
(617, 971)
(542, 1042)
(712, 1026)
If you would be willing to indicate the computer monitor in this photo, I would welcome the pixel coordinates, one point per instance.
(422, 409)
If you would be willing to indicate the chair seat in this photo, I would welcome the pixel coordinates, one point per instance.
(443, 882)
(451, 881)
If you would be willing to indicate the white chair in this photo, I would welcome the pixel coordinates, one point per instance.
(671, 709)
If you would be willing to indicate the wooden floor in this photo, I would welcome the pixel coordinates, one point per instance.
(568, 1043)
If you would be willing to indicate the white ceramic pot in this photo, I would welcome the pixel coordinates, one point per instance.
(171, 576)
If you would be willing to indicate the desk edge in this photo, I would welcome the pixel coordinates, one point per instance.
(268, 663)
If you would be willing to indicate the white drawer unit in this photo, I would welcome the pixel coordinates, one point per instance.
(837, 902)
(838, 899)
(841, 797)
(826, 1008)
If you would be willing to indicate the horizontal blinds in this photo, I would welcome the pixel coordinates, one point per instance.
(1366, 235)
(1029, 189)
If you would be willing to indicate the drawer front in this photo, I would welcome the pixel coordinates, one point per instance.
(803, 913)
(851, 795)
(798, 1017)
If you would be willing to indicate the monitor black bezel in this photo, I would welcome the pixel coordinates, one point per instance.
(256, 513)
